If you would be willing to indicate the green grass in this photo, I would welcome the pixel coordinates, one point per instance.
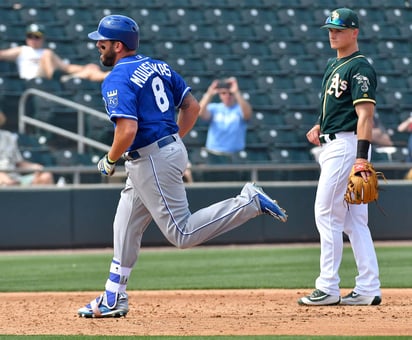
(197, 268)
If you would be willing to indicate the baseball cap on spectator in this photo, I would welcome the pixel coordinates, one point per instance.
(35, 30)
(342, 19)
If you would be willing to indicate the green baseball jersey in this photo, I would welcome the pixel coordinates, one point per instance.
(346, 82)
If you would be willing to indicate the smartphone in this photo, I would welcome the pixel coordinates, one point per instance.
(223, 85)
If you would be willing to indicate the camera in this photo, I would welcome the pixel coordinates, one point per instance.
(223, 85)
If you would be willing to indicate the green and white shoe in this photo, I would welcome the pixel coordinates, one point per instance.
(319, 298)
(354, 299)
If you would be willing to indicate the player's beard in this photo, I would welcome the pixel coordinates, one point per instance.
(109, 57)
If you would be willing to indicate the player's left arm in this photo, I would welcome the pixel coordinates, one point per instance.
(188, 113)
(365, 111)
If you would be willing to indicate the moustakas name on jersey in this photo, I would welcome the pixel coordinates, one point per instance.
(155, 87)
(347, 82)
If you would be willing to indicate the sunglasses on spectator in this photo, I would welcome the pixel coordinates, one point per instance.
(34, 36)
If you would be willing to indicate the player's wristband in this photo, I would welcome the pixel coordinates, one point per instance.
(363, 149)
(109, 160)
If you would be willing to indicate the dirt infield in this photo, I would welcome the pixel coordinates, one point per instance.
(206, 312)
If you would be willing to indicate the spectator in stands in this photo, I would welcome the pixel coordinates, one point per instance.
(380, 136)
(227, 119)
(33, 60)
(406, 126)
(187, 174)
(12, 160)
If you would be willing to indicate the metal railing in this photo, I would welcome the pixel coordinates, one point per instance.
(79, 137)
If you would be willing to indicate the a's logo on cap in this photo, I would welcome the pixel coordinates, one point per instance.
(334, 15)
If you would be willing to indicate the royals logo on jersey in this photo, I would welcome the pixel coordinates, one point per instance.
(112, 99)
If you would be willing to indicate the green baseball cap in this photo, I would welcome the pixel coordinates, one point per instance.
(35, 29)
(342, 19)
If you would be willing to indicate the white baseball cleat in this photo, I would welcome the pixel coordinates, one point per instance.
(354, 299)
(319, 298)
(99, 308)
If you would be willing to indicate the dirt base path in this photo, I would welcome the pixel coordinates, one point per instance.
(210, 312)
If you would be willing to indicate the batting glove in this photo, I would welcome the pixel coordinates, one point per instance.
(106, 166)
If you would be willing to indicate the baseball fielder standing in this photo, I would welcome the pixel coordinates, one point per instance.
(140, 96)
(344, 130)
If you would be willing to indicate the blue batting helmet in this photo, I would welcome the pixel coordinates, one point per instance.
(117, 27)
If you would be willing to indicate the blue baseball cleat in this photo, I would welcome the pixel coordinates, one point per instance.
(99, 307)
(269, 206)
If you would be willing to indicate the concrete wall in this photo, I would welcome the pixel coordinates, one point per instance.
(78, 217)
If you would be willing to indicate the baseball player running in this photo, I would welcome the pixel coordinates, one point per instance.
(345, 132)
(140, 96)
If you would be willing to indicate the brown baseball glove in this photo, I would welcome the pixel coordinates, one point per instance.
(361, 191)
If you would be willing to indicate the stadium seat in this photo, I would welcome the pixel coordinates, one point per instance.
(222, 16)
(29, 15)
(169, 48)
(263, 65)
(392, 81)
(190, 65)
(202, 32)
(224, 66)
(392, 48)
(71, 157)
(281, 155)
(248, 48)
(206, 48)
(196, 137)
(257, 154)
(43, 157)
(291, 99)
(284, 47)
(269, 82)
(265, 32)
(268, 119)
(382, 65)
(310, 81)
(300, 120)
(274, 48)
(299, 64)
(255, 15)
(179, 15)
